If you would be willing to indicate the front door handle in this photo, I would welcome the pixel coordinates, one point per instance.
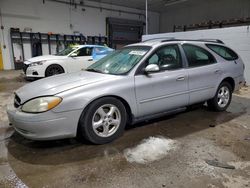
(181, 78)
(217, 71)
(90, 59)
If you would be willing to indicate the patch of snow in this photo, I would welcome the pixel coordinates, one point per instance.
(151, 149)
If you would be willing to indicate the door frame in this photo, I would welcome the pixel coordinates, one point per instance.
(139, 73)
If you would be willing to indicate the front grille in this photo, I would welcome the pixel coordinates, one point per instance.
(25, 68)
(17, 101)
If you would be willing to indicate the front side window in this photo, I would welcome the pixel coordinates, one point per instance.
(167, 58)
(66, 51)
(85, 51)
(121, 61)
(223, 51)
(197, 56)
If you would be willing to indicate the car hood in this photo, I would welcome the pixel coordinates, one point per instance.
(57, 84)
(44, 58)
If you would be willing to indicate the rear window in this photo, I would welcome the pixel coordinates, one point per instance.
(223, 51)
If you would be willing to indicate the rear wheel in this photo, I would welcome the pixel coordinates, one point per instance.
(222, 98)
(103, 121)
(54, 70)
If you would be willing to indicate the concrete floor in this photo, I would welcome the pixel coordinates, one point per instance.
(199, 135)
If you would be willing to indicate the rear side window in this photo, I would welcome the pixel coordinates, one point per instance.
(197, 56)
(223, 51)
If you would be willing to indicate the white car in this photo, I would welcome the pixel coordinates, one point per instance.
(71, 59)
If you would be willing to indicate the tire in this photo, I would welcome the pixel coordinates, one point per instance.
(53, 70)
(108, 126)
(222, 98)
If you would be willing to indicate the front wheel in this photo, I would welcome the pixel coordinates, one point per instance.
(54, 70)
(103, 121)
(222, 98)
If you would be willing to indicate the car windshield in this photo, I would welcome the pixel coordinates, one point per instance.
(66, 51)
(120, 61)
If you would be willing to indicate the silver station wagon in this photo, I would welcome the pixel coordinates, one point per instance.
(138, 82)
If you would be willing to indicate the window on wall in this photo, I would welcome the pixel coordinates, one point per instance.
(197, 56)
(223, 51)
(167, 58)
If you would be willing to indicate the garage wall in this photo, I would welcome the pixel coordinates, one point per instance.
(197, 11)
(55, 17)
(238, 38)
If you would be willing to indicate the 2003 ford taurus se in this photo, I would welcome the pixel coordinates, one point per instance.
(138, 82)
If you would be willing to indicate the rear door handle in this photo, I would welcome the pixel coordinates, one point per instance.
(181, 78)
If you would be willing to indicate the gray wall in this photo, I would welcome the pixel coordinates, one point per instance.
(197, 11)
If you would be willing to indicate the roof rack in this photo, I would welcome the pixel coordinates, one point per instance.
(160, 38)
(197, 40)
(212, 40)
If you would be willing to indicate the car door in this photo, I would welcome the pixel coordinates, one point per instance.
(203, 73)
(164, 90)
(81, 59)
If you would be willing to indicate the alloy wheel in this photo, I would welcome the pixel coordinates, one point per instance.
(106, 120)
(223, 96)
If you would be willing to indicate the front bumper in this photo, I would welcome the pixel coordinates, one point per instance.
(44, 126)
(25, 66)
(35, 72)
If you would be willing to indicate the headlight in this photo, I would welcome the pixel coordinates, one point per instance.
(41, 104)
(37, 63)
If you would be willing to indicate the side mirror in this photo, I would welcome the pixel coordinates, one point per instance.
(152, 68)
(73, 55)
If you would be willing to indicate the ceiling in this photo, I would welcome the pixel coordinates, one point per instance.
(153, 5)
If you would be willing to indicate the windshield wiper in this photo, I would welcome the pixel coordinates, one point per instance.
(94, 70)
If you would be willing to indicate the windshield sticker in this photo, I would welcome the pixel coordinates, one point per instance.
(140, 53)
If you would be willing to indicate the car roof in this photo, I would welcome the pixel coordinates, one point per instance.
(159, 41)
(89, 45)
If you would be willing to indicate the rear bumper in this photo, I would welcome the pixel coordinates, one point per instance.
(239, 82)
(44, 126)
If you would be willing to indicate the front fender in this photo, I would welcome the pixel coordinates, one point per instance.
(79, 98)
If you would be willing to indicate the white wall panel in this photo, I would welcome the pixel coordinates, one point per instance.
(27, 50)
(45, 48)
(238, 38)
